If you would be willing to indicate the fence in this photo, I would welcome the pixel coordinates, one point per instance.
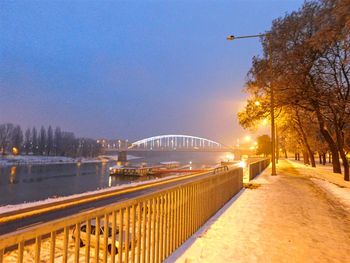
(147, 228)
(257, 167)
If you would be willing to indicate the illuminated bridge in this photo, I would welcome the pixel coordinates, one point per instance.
(176, 142)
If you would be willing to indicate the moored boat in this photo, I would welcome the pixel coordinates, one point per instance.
(130, 170)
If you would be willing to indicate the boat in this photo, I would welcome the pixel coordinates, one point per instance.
(130, 170)
(143, 169)
(170, 165)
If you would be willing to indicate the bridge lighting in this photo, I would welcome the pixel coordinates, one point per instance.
(175, 141)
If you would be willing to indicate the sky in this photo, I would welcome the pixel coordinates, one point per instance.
(130, 69)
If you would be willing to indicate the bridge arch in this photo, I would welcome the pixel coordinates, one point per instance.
(175, 141)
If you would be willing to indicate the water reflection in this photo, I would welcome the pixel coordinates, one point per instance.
(13, 172)
(26, 183)
(110, 181)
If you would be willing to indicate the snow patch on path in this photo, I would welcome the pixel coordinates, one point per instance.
(285, 220)
(341, 193)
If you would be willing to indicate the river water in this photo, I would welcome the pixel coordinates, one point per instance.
(28, 183)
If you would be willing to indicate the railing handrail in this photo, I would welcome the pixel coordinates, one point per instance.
(49, 207)
(262, 159)
(47, 227)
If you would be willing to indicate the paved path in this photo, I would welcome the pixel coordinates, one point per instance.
(289, 218)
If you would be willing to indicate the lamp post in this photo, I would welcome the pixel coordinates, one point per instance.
(272, 102)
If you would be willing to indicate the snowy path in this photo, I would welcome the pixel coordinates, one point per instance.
(289, 218)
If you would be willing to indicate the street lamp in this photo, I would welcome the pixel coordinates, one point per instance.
(272, 102)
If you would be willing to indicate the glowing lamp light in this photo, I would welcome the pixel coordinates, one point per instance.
(264, 122)
(15, 151)
(257, 103)
(230, 157)
(247, 138)
(242, 164)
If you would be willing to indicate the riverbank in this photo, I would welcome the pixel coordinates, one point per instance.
(295, 216)
(10, 160)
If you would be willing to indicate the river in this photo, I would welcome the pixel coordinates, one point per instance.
(28, 183)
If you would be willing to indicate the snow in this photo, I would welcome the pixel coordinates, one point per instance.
(296, 216)
(342, 194)
(29, 254)
(291, 217)
(31, 159)
(321, 172)
(40, 160)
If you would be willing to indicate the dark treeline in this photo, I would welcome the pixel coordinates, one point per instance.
(49, 142)
(306, 66)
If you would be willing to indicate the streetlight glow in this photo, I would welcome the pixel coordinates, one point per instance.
(272, 107)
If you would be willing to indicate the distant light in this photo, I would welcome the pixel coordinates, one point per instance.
(257, 103)
(247, 138)
(190, 162)
(230, 157)
(242, 164)
(15, 151)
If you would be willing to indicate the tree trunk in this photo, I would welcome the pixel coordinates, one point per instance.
(296, 156)
(320, 157)
(305, 140)
(331, 144)
(346, 165)
(306, 158)
(285, 154)
(324, 159)
(312, 158)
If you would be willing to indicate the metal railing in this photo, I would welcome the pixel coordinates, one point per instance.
(257, 167)
(147, 228)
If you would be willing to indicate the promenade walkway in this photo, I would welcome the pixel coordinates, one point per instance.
(291, 217)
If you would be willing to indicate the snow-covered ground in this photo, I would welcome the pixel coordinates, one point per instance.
(290, 217)
(34, 159)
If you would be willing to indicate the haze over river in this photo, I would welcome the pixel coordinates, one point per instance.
(28, 183)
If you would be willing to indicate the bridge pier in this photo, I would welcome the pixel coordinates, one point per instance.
(122, 156)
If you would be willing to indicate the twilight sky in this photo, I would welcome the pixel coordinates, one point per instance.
(130, 69)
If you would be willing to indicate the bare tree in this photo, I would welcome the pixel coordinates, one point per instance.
(27, 141)
(5, 136)
(34, 141)
(49, 140)
(17, 138)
